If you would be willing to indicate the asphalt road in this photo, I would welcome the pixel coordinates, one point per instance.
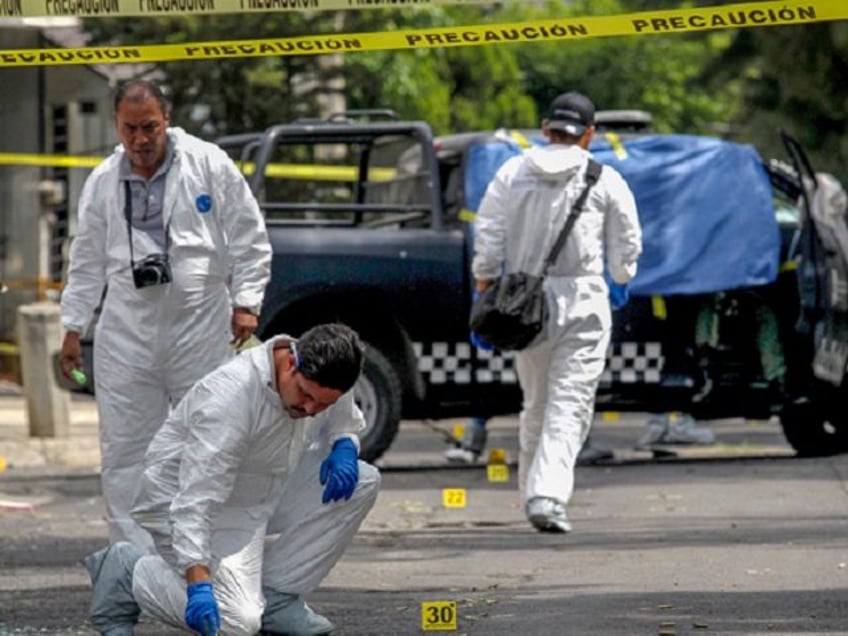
(739, 538)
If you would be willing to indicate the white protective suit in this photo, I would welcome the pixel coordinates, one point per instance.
(229, 467)
(518, 220)
(152, 344)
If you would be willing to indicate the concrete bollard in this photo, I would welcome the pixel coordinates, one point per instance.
(39, 340)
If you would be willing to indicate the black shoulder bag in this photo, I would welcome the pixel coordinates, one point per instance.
(512, 311)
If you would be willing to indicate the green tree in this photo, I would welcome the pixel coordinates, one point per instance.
(659, 74)
(795, 78)
(451, 89)
(235, 95)
(455, 89)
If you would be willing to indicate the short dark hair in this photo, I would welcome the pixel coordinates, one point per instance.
(138, 90)
(331, 355)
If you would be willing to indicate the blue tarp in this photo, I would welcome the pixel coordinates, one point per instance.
(705, 206)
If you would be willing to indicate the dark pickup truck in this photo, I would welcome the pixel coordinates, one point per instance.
(368, 220)
(361, 234)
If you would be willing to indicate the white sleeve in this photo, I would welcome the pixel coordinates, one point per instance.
(247, 238)
(490, 231)
(345, 420)
(87, 263)
(218, 414)
(622, 232)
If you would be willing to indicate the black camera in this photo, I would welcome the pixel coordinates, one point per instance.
(153, 270)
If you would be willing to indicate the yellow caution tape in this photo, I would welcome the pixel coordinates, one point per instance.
(9, 349)
(319, 173)
(152, 8)
(41, 285)
(518, 137)
(617, 147)
(752, 14)
(658, 308)
(274, 170)
(53, 161)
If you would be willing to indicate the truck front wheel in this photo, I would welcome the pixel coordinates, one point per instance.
(815, 427)
(378, 395)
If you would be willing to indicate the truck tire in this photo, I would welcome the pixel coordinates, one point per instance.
(378, 395)
(811, 431)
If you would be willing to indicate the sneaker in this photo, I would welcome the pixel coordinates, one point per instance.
(682, 429)
(590, 454)
(657, 427)
(287, 614)
(471, 446)
(461, 456)
(547, 515)
(113, 610)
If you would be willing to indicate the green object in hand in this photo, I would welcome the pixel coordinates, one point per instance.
(78, 376)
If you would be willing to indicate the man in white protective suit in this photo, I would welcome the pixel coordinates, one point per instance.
(264, 445)
(170, 230)
(519, 218)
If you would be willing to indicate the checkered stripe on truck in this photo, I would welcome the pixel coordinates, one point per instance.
(456, 363)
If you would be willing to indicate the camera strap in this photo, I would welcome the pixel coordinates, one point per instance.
(128, 216)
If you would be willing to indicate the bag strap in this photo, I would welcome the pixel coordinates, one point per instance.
(593, 171)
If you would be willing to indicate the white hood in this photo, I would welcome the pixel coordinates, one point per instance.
(529, 200)
(556, 160)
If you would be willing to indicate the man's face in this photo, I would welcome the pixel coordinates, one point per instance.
(142, 129)
(301, 396)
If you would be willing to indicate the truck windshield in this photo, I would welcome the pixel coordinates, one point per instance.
(356, 179)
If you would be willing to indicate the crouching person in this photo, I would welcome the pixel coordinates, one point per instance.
(264, 445)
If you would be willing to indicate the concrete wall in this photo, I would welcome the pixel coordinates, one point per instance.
(78, 122)
(20, 208)
(65, 110)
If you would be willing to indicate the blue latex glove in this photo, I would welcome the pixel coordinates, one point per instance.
(201, 612)
(618, 294)
(481, 344)
(340, 471)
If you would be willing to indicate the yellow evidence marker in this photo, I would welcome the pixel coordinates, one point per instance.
(453, 497)
(458, 431)
(497, 472)
(497, 456)
(438, 616)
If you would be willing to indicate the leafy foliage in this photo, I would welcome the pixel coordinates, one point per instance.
(211, 97)
(745, 83)
(795, 78)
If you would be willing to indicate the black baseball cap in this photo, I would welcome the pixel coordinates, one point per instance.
(571, 113)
